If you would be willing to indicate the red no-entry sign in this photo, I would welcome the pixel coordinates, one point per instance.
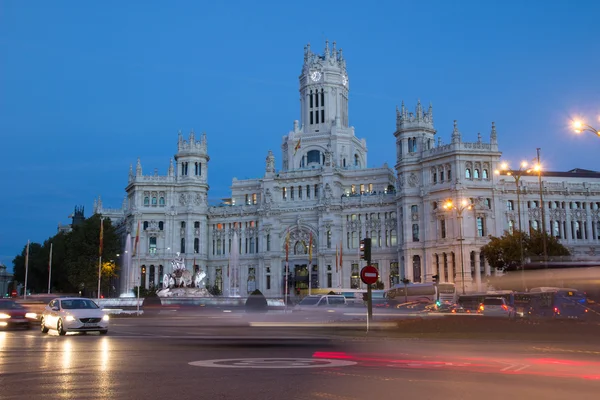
(369, 275)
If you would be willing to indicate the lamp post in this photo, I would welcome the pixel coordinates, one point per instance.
(538, 168)
(517, 174)
(580, 127)
(464, 205)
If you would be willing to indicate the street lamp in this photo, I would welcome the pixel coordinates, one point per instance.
(464, 205)
(517, 174)
(579, 127)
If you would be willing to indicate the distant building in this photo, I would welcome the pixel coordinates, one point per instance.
(77, 218)
(5, 280)
(325, 199)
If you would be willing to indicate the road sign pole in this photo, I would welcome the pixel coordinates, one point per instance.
(369, 304)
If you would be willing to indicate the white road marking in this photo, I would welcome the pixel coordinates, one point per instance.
(272, 363)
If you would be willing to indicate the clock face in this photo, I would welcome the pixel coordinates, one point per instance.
(315, 76)
(344, 80)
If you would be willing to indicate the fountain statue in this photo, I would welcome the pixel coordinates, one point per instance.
(183, 283)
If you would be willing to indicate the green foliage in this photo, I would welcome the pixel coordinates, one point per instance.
(505, 251)
(214, 290)
(144, 293)
(75, 257)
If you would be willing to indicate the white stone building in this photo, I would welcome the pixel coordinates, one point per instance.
(325, 195)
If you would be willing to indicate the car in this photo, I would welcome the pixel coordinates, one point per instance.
(14, 315)
(496, 307)
(321, 303)
(74, 314)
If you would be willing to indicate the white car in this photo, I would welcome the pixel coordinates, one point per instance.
(496, 307)
(74, 314)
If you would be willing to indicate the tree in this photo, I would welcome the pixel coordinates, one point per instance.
(74, 260)
(505, 251)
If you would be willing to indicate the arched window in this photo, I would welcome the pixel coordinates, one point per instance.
(476, 173)
(161, 225)
(146, 201)
(356, 160)
(196, 245)
(468, 173)
(485, 174)
(414, 209)
(415, 232)
(161, 201)
(182, 246)
(416, 269)
(154, 201)
(313, 156)
(145, 225)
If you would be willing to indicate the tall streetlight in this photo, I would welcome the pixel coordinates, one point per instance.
(464, 205)
(580, 127)
(538, 168)
(517, 174)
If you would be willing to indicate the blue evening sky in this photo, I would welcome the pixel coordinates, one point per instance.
(87, 87)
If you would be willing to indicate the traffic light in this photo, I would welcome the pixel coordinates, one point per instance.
(365, 250)
(436, 278)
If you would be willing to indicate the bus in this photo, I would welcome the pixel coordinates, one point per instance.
(422, 292)
(556, 303)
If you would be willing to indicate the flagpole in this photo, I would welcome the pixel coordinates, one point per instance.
(100, 255)
(26, 270)
(310, 265)
(139, 283)
(50, 270)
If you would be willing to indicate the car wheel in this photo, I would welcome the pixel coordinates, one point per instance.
(60, 328)
(43, 328)
(104, 332)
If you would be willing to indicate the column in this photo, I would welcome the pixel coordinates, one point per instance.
(477, 270)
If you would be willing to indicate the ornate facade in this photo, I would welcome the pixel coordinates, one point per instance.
(324, 199)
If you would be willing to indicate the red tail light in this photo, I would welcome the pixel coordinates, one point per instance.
(556, 310)
(481, 307)
(504, 307)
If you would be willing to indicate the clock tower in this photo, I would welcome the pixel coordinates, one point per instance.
(323, 132)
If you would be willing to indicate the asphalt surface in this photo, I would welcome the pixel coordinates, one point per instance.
(187, 356)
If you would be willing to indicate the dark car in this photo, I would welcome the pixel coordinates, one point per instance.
(14, 315)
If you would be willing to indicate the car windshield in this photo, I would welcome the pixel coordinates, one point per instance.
(336, 300)
(493, 302)
(309, 301)
(77, 304)
(10, 305)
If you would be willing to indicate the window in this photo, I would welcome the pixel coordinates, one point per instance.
(145, 225)
(414, 209)
(284, 193)
(196, 245)
(354, 277)
(154, 201)
(555, 229)
(441, 176)
(146, 201)
(435, 205)
(443, 228)
(182, 224)
(435, 177)
(488, 203)
(161, 201)
(356, 161)
(449, 174)
(182, 246)
(161, 225)
(268, 242)
(480, 227)
(415, 232)
(308, 191)
(268, 283)
(485, 174)
(476, 173)
(511, 226)
(468, 173)
(316, 191)
(510, 205)
(292, 193)
(313, 156)
(196, 224)
(152, 245)
(299, 192)
(329, 239)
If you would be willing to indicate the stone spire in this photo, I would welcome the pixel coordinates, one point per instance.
(419, 110)
(327, 53)
(138, 167)
(455, 133)
(479, 137)
(270, 167)
(430, 112)
(494, 135)
(171, 169)
(130, 172)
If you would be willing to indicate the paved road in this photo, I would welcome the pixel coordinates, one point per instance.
(172, 358)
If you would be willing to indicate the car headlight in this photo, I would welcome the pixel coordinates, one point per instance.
(4, 316)
(31, 315)
(69, 318)
(105, 318)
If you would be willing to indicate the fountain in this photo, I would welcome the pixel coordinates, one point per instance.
(126, 288)
(183, 283)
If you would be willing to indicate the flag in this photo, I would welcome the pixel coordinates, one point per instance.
(297, 147)
(310, 249)
(337, 260)
(101, 235)
(137, 239)
(287, 244)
